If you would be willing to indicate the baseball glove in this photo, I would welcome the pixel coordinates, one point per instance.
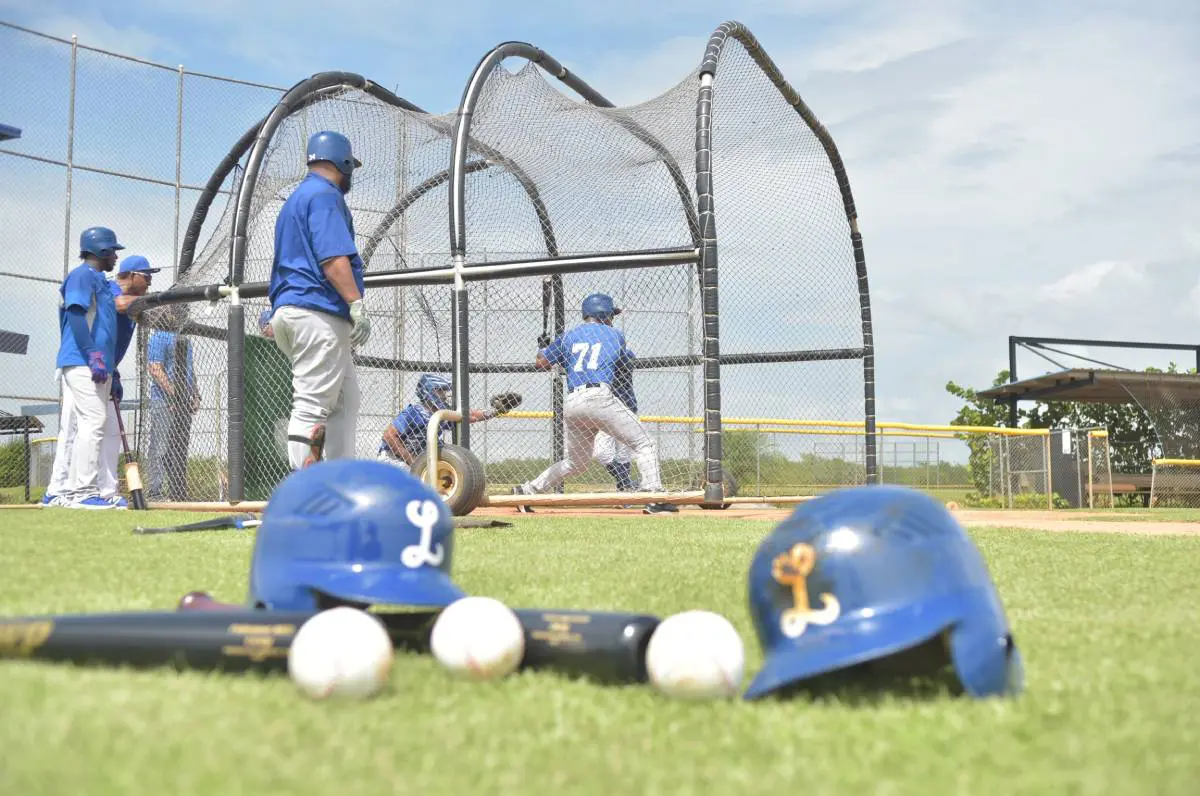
(505, 401)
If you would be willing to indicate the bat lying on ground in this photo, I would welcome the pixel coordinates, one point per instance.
(245, 521)
(233, 521)
(606, 647)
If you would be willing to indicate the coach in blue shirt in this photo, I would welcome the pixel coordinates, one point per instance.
(87, 351)
(174, 399)
(316, 292)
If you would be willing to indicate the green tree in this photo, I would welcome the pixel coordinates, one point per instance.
(978, 411)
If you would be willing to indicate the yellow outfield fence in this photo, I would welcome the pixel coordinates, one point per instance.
(1175, 483)
(763, 458)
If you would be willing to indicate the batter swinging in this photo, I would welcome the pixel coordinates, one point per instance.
(592, 354)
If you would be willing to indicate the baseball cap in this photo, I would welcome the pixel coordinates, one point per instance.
(136, 263)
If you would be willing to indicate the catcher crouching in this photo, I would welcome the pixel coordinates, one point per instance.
(404, 439)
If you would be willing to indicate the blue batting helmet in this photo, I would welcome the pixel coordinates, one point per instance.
(599, 306)
(866, 572)
(352, 530)
(333, 147)
(427, 389)
(98, 242)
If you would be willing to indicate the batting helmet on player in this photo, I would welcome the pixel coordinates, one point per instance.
(429, 387)
(599, 306)
(352, 530)
(864, 573)
(99, 242)
(333, 147)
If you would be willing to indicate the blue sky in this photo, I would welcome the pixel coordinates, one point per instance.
(1019, 168)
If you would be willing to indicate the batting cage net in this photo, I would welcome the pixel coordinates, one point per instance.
(717, 216)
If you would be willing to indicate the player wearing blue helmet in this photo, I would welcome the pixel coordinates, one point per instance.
(405, 437)
(316, 292)
(592, 354)
(87, 318)
(878, 581)
(133, 279)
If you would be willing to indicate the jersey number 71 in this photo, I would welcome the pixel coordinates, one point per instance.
(581, 351)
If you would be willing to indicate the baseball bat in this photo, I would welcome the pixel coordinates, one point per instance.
(237, 640)
(133, 474)
(604, 646)
(233, 521)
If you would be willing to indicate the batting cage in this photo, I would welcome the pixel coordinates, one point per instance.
(717, 216)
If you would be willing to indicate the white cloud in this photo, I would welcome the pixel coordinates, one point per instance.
(1017, 171)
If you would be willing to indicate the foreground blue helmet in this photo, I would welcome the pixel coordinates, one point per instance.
(351, 530)
(599, 306)
(427, 389)
(333, 147)
(866, 572)
(99, 242)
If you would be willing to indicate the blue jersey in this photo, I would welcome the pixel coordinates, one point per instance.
(87, 289)
(125, 327)
(314, 225)
(412, 425)
(163, 349)
(590, 353)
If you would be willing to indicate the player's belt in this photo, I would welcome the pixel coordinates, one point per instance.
(589, 385)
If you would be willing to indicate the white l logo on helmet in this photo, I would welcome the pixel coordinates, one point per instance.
(424, 514)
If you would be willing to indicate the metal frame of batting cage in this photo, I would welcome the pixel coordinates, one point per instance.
(700, 218)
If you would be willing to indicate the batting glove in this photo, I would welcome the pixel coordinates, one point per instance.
(97, 367)
(362, 324)
(117, 392)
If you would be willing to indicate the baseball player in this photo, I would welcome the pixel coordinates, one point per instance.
(318, 315)
(133, 280)
(591, 354)
(87, 350)
(405, 438)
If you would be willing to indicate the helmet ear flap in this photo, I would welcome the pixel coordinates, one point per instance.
(986, 660)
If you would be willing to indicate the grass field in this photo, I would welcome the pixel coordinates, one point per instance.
(1107, 625)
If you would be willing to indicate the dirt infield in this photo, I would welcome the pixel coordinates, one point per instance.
(1059, 521)
(1025, 520)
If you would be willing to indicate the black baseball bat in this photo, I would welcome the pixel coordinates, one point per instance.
(235, 640)
(606, 647)
(133, 473)
(603, 646)
(232, 521)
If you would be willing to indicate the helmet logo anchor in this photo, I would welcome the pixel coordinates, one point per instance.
(792, 569)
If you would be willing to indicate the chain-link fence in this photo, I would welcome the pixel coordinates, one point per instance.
(106, 140)
(1099, 469)
(547, 180)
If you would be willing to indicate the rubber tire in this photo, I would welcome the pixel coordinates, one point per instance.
(461, 478)
(730, 489)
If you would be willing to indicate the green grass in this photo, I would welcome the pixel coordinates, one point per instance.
(1107, 625)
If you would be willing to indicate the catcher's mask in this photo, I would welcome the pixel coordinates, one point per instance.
(865, 573)
(434, 390)
(352, 530)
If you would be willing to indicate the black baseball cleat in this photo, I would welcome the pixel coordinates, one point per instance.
(660, 508)
(517, 490)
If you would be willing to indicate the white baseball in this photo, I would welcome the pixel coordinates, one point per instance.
(696, 655)
(341, 652)
(478, 638)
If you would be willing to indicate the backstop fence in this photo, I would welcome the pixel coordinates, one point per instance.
(106, 139)
(481, 231)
